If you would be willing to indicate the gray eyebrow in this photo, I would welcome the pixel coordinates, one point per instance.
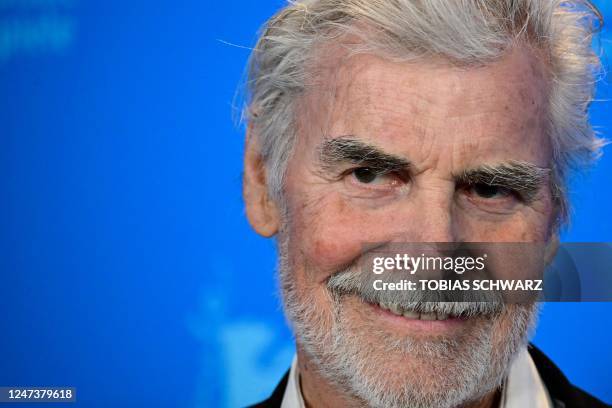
(523, 177)
(347, 149)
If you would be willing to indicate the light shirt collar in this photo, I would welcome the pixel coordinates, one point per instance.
(293, 393)
(523, 388)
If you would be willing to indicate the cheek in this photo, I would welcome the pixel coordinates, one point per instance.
(328, 234)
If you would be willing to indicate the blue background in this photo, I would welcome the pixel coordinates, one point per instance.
(128, 268)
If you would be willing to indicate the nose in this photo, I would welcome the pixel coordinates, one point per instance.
(435, 223)
(430, 215)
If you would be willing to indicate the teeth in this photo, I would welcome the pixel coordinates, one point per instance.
(411, 315)
(395, 309)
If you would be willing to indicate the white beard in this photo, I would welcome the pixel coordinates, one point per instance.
(455, 370)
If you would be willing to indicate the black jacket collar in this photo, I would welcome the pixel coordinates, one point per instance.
(562, 393)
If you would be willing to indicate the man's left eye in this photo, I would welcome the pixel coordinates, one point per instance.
(488, 191)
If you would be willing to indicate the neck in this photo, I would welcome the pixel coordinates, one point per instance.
(318, 392)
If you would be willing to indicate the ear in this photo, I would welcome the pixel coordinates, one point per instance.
(551, 248)
(262, 212)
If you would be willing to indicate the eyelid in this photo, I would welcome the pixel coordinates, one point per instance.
(375, 169)
(510, 192)
(525, 190)
(396, 183)
(401, 174)
(352, 169)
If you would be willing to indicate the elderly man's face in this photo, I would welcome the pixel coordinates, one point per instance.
(430, 122)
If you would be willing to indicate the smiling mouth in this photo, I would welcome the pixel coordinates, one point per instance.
(412, 314)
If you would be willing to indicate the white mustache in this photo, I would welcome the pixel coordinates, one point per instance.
(460, 304)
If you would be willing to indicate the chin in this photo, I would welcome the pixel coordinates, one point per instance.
(389, 363)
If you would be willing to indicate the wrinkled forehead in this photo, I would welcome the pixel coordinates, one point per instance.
(499, 108)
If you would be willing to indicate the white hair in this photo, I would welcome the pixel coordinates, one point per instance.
(462, 31)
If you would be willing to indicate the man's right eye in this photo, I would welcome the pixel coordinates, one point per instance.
(366, 177)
